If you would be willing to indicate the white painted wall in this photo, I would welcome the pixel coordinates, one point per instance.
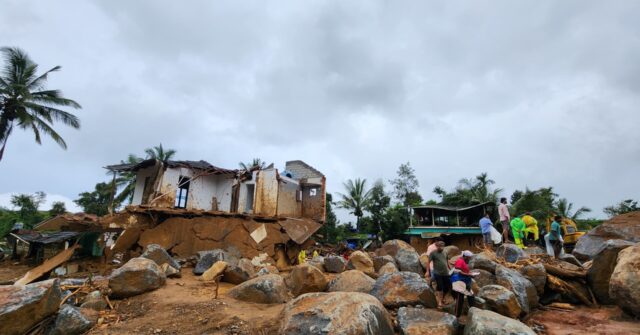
(139, 190)
(242, 196)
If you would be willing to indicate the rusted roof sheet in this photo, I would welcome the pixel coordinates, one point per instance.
(69, 221)
(196, 165)
(299, 230)
(46, 238)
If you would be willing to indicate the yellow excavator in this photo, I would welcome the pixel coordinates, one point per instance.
(570, 232)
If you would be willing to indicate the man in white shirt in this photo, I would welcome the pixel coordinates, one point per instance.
(505, 218)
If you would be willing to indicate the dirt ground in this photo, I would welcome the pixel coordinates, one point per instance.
(606, 320)
(10, 271)
(187, 306)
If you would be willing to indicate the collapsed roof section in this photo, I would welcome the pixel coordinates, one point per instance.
(195, 165)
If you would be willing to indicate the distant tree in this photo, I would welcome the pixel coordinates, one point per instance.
(328, 231)
(377, 205)
(97, 201)
(405, 185)
(395, 223)
(26, 104)
(539, 202)
(563, 208)
(57, 208)
(356, 198)
(256, 163)
(159, 153)
(7, 220)
(27, 205)
(470, 192)
(625, 206)
(126, 181)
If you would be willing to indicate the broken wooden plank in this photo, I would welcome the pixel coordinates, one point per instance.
(47, 266)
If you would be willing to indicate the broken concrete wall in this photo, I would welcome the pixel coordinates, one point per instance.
(246, 194)
(313, 200)
(288, 204)
(266, 193)
(141, 177)
(204, 190)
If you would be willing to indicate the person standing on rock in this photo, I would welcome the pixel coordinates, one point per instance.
(485, 227)
(554, 236)
(441, 273)
(430, 275)
(505, 219)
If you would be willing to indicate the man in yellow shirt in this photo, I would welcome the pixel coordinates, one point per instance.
(531, 228)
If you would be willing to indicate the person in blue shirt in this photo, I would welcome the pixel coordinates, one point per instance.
(555, 237)
(485, 227)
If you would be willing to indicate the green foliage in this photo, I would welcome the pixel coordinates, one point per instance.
(26, 104)
(405, 186)
(377, 206)
(622, 207)
(563, 208)
(256, 163)
(539, 202)
(588, 224)
(57, 208)
(159, 153)
(28, 205)
(126, 181)
(7, 220)
(396, 222)
(96, 202)
(356, 199)
(469, 192)
(332, 231)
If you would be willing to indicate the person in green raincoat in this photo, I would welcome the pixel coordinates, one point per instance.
(517, 229)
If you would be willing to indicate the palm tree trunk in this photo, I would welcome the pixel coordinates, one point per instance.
(5, 138)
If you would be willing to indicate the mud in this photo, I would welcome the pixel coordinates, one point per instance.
(606, 320)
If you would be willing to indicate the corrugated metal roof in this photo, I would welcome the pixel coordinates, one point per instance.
(33, 237)
(451, 208)
(197, 165)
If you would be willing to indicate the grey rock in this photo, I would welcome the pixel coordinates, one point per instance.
(627, 228)
(484, 278)
(22, 307)
(239, 273)
(334, 264)
(351, 281)
(624, 286)
(524, 290)
(604, 262)
(536, 274)
(157, 254)
(483, 322)
(207, 258)
(318, 262)
(408, 260)
(484, 261)
(380, 261)
(417, 321)
(510, 252)
(94, 301)
(137, 276)
(403, 289)
(501, 300)
(70, 321)
(266, 289)
(352, 313)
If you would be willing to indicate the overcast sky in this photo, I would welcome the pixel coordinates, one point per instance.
(536, 93)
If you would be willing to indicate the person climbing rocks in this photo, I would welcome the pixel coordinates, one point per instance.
(441, 273)
(517, 229)
(505, 217)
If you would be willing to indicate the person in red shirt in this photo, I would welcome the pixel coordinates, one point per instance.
(461, 281)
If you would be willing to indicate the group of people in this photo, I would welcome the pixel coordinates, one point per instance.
(450, 281)
(524, 229)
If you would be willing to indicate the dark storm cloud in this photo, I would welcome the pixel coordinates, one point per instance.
(536, 93)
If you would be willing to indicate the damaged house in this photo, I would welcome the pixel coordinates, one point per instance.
(192, 206)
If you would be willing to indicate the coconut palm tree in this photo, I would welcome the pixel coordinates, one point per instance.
(256, 163)
(127, 181)
(563, 208)
(356, 199)
(479, 188)
(159, 153)
(26, 104)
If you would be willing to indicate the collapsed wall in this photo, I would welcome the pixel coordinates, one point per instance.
(185, 233)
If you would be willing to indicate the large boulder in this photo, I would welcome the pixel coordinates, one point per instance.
(95, 301)
(403, 289)
(334, 313)
(451, 251)
(417, 321)
(351, 281)
(318, 262)
(624, 286)
(484, 278)
(483, 322)
(335, 264)
(267, 289)
(137, 276)
(305, 278)
(536, 274)
(534, 250)
(217, 269)
(604, 263)
(380, 261)
(70, 321)
(484, 261)
(622, 227)
(500, 300)
(510, 252)
(208, 257)
(236, 274)
(157, 254)
(404, 254)
(424, 260)
(524, 290)
(361, 261)
(22, 307)
(387, 268)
